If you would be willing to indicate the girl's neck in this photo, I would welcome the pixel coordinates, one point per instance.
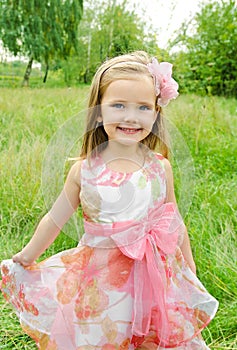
(125, 158)
(115, 148)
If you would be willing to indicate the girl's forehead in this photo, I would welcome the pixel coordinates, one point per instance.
(136, 85)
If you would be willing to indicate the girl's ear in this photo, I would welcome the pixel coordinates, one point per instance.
(158, 108)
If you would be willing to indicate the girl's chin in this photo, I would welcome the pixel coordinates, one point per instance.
(126, 141)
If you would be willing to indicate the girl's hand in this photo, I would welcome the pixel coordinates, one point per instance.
(22, 259)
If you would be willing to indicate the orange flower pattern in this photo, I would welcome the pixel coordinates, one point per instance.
(84, 298)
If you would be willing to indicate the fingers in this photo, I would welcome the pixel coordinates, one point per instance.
(22, 259)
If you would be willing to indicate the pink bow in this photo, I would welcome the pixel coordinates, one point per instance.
(146, 241)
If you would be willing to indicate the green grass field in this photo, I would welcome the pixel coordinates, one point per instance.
(208, 126)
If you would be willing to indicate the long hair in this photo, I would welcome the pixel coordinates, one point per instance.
(121, 67)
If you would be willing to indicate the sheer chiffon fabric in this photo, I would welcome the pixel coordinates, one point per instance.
(126, 285)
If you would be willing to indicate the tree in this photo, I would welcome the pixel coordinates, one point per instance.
(42, 30)
(207, 63)
(107, 29)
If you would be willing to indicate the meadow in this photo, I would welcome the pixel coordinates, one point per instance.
(207, 128)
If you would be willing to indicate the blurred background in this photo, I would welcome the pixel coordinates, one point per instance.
(62, 43)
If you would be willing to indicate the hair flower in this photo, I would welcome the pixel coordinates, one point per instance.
(165, 86)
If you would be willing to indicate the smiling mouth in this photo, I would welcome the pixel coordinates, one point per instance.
(129, 130)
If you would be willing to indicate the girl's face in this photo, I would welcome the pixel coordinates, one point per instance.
(128, 109)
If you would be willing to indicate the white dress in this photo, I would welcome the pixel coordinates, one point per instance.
(127, 284)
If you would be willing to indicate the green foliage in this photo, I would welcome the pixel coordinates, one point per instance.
(208, 62)
(28, 121)
(107, 29)
(121, 29)
(41, 30)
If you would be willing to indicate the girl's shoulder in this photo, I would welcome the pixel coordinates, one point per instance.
(159, 156)
(165, 164)
(75, 170)
(76, 166)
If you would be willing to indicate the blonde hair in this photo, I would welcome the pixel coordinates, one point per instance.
(120, 67)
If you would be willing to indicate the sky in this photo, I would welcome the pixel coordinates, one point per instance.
(166, 15)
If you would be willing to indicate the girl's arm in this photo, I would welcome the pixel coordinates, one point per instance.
(51, 224)
(170, 197)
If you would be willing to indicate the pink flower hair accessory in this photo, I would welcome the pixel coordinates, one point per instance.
(165, 86)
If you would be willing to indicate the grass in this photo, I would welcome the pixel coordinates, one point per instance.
(206, 125)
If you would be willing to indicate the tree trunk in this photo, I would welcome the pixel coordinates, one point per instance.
(27, 72)
(88, 59)
(111, 33)
(46, 73)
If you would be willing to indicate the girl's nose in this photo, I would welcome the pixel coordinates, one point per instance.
(131, 115)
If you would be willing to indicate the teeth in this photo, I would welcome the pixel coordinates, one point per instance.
(129, 130)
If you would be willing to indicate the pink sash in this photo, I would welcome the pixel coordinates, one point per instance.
(146, 241)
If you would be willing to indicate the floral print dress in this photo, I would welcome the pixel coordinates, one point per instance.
(126, 286)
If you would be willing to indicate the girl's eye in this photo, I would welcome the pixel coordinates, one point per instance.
(144, 108)
(118, 105)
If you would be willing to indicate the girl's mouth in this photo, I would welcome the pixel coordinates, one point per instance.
(129, 130)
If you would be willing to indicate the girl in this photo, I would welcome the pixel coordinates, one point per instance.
(130, 283)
